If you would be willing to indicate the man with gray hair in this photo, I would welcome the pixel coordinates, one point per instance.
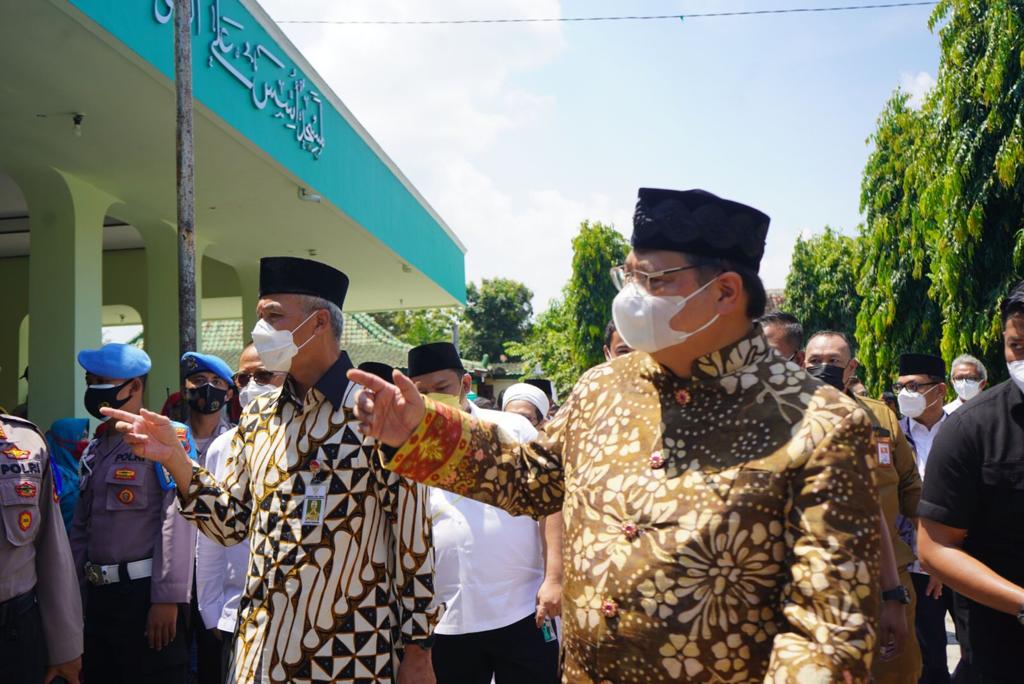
(340, 583)
(969, 377)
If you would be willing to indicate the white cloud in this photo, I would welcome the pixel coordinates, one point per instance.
(917, 86)
(527, 238)
(439, 99)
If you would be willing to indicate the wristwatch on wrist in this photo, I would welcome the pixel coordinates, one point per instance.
(425, 643)
(1020, 615)
(899, 593)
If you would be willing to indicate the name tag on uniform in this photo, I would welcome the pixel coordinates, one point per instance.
(884, 451)
(314, 504)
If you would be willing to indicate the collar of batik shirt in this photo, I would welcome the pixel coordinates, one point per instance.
(739, 358)
(331, 386)
(737, 365)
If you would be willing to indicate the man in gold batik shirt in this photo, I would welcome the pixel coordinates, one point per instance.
(720, 520)
(340, 579)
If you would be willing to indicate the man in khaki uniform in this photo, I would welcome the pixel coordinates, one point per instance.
(894, 472)
(40, 604)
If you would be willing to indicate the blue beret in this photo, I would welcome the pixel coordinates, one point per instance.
(194, 362)
(115, 360)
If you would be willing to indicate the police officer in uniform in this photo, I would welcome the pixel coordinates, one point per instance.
(209, 387)
(40, 607)
(133, 552)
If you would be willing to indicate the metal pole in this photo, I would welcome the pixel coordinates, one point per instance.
(186, 184)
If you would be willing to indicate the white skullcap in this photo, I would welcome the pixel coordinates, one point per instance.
(524, 392)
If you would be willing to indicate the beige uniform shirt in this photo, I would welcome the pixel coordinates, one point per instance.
(722, 528)
(34, 550)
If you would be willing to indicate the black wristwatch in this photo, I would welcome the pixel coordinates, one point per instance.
(899, 593)
(1020, 616)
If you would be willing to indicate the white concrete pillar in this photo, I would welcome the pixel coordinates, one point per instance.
(65, 287)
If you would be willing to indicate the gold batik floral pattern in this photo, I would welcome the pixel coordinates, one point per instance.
(722, 528)
(327, 602)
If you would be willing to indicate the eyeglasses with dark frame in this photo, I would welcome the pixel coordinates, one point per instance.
(913, 386)
(262, 377)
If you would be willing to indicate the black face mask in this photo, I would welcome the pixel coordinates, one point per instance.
(206, 399)
(832, 375)
(99, 396)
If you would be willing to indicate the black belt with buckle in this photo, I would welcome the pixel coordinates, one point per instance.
(16, 607)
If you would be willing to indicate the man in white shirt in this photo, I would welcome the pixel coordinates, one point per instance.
(488, 565)
(920, 391)
(969, 377)
(221, 570)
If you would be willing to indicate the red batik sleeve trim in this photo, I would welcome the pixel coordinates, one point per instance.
(436, 447)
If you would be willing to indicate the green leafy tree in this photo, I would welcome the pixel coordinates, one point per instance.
(498, 312)
(974, 202)
(821, 288)
(590, 291)
(896, 313)
(420, 326)
(548, 347)
(566, 339)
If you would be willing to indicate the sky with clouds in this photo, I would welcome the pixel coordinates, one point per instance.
(517, 132)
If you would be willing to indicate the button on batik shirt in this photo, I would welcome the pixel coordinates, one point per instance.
(341, 569)
(722, 528)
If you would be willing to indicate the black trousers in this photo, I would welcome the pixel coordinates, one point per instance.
(208, 648)
(22, 644)
(930, 623)
(516, 654)
(116, 649)
(227, 651)
(967, 674)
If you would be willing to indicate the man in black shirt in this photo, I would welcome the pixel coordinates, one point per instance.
(971, 535)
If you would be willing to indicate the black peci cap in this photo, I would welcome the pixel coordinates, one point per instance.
(922, 364)
(292, 275)
(381, 370)
(428, 358)
(700, 223)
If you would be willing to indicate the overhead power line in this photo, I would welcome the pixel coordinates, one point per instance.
(637, 17)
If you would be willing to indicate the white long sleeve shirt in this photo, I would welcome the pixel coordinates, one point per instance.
(220, 570)
(488, 565)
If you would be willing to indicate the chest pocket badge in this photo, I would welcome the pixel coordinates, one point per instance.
(126, 487)
(19, 509)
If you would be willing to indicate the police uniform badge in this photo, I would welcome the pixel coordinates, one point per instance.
(25, 489)
(184, 436)
(17, 454)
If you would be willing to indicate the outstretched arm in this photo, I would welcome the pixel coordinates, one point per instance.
(220, 510)
(447, 448)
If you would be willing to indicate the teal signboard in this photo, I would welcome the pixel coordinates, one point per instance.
(242, 75)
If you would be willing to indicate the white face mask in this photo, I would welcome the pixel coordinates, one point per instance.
(642, 319)
(1016, 369)
(967, 389)
(249, 393)
(913, 404)
(277, 347)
